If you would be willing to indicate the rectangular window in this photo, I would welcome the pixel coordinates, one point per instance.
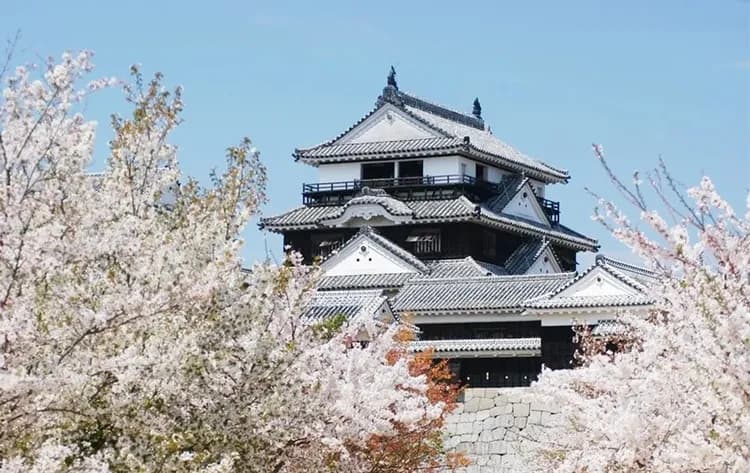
(410, 169)
(481, 172)
(326, 243)
(489, 244)
(462, 168)
(424, 241)
(378, 171)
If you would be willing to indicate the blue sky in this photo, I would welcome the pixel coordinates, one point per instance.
(644, 78)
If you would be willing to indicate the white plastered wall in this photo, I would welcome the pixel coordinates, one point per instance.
(389, 125)
(541, 266)
(338, 172)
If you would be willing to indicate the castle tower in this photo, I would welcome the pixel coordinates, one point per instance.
(425, 205)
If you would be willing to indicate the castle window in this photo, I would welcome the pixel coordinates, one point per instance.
(410, 169)
(325, 244)
(425, 241)
(489, 244)
(378, 171)
(481, 172)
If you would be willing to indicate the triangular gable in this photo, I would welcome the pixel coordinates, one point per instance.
(368, 253)
(533, 257)
(525, 205)
(598, 283)
(388, 123)
(546, 263)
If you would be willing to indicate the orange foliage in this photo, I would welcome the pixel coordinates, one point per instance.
(419, 446)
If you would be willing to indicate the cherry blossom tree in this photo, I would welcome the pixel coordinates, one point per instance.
(675, 396)
(131, 338)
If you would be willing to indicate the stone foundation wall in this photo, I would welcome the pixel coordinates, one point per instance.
(490, 424)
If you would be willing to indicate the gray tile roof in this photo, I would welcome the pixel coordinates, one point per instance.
(607, 328)
(526, 255)
(462, 268)
(449, 268)
(352, 304)
(456, 347)
(365, 281)
(484, 141)
(299, 218)
(620, 270)
(318, 313)
(459, 209)
(451, 126)
(638, 274)
(446, 295)
(382, 149)
(589, 301)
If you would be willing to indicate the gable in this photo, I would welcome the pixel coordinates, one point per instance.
(546, 263)
(388, 124)
(364, 256)
(525, 205)
(372, 214)
(596, 284)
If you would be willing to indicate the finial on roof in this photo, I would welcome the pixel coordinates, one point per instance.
(392, 78)
(477, 111)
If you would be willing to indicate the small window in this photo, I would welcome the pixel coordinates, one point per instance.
(481, 172)
(325, 244)
(424, 241)
(489, 244)
(463, 169)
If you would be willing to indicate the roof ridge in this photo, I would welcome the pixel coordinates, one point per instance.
(606, 260)
(364, 143)
(497, 278)
(440, 110)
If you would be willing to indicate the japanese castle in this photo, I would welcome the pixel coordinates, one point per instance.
(421, 213)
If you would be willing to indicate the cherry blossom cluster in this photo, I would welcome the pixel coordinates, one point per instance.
(131, 337)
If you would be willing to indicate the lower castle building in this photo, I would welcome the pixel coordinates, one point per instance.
(421, 214)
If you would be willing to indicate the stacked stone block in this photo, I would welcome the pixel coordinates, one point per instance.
(491, 423)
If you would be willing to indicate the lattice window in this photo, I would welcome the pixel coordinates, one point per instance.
(425, 241)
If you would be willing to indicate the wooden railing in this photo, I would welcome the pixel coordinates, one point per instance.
(336, 193)
(551, 208)
(395, 182)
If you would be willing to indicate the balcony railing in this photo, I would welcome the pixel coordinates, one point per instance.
(414, 188)
(395, 182)
(551, 208)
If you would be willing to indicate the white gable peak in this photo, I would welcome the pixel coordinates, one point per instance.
(364, 254)
(388, 124)
(598, 283)
(524, 204)
(546, 263)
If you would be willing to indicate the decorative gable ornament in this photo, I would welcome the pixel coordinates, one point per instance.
(373, 207)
